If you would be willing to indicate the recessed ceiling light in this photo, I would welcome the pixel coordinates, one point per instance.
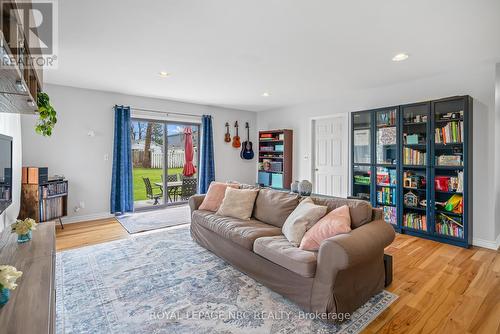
(164, 74)
(400, 57)
(266, 94)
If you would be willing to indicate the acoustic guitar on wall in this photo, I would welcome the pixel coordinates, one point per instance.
(227, 136)
(236, 138)
(246, 149)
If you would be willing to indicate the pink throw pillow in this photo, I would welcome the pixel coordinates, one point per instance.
(215, 195)
(336, 222)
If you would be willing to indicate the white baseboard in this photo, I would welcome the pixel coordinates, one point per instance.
(490, 244)
(84, 218)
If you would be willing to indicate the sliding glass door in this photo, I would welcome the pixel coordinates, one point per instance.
(165, 162)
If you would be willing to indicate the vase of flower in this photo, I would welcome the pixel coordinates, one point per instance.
(305, 188)
(21, 238)
(8, 277)
(23, 229)
(4, 296)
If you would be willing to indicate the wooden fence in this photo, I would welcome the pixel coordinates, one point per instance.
(176, 158)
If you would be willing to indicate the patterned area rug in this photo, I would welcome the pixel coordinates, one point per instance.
(164, 282)
(155, 219)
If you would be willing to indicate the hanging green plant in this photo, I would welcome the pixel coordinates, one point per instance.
(47, 115)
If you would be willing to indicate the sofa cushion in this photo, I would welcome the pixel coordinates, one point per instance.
(360, 211)
(305, 215)
(279, 250)
(336, 222)
(242, 232)
(238, 203)
(274, 207)
(215, 195)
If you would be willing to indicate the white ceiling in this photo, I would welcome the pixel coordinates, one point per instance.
(228, 52)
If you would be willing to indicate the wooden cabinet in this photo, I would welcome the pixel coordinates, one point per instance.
(31, 308)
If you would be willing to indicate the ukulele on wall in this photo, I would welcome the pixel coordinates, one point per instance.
(246, 148)
(236, 138)
(227, 136)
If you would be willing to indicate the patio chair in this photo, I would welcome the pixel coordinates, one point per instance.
(188, 189)
(173, 191)
(150, 191)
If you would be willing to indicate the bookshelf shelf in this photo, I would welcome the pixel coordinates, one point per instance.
(271, 141)
(452, 214)
(385, 204)
(44, 201)
(431, 157)
(415, 229)
(55, 196)
(416, 208)
(449, 167)
(275, 158)
(448, 120)
(270, 171)
(415, 166)
(449, 192)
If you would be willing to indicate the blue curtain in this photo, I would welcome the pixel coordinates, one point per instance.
(122, 199)
(207, 164)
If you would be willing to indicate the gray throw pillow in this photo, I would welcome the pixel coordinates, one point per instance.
(273, 206)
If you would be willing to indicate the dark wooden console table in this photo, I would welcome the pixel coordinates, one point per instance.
(31, 308)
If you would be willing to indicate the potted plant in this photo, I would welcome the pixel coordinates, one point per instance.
(47, 115)
(23, 229)
(8, 277)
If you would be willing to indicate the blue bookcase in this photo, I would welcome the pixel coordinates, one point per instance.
(413, 162)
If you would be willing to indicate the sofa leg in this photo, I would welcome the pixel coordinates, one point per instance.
(388, 269)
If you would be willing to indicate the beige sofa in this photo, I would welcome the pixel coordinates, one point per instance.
(346, 271)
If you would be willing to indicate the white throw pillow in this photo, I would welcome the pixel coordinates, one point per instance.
(305, 215)
(238, 203)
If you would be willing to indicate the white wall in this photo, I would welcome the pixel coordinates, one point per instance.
(10, 125)
(497, 155)
(80, 158)
(477, 82)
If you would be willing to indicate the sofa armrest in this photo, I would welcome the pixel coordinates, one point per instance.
(347, 250)
(350, 268)
(195, 202)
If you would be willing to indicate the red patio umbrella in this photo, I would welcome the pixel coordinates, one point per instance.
(189, 169)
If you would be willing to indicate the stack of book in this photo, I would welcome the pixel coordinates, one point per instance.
(52, 189)
(449, 227)
(386, 119)
(452, 132)
(390, 215)
(270, 137)
(386, 195)
(413, 157)
(51, 209)
(386, 176)
(415, 220)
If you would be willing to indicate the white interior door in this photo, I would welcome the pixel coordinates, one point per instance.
(331, 158)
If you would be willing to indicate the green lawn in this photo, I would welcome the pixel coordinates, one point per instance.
(154, 175)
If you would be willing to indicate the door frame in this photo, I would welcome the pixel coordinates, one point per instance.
(164, 204)
(312, 162)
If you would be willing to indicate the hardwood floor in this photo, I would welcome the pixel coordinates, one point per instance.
(89, 233)
(441, 288)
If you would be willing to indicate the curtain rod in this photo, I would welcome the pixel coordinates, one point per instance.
(166, 113)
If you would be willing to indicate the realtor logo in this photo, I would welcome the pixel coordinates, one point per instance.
(31, 25)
